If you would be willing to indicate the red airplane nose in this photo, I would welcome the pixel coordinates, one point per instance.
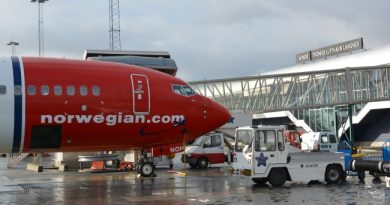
(217, 115)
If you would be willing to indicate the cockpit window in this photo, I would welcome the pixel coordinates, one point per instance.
(178, 89)
(183, 90)
(189, 91)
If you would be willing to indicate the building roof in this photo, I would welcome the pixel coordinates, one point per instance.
(101, 53)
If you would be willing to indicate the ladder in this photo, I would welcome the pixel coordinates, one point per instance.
(14, 159)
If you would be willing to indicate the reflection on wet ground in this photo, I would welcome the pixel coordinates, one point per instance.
(213, 186)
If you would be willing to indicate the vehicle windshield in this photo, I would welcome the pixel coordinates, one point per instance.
(243, 138)
(199, 141)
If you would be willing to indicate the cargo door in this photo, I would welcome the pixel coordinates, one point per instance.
(141, 94)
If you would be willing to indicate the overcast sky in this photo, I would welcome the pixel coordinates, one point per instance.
(207, 38)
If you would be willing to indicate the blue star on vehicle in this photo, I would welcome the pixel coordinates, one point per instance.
(261, 160)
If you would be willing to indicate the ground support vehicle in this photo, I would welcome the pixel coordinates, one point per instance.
(319, 141)
(376, 166)
(261, 154)
(208, 149)
(345, 147)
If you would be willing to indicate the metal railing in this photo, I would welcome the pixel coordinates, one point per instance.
(266, 93)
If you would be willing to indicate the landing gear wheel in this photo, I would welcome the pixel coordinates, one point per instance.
(333, 174)
(146, 169)
(203, 163)
(260, 181)
(171, 166)
(277, 177)
(361, 176)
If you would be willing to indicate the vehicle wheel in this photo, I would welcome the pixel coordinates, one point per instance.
(171, 166)
(277, 177)
(344, 177)
(203, 163)
(146, 169)
(376, 175)
(260, 180)
(333, 174)
(193, 166)
(361, 175)
(138, 168)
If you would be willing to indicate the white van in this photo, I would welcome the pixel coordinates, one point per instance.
(319, 141)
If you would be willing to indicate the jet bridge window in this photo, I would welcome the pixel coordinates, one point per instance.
(3, 90)
(184, 90)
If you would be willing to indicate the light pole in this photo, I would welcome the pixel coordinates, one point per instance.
(40, 26)
(13, 44)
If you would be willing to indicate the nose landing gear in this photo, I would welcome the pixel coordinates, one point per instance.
(145, 168)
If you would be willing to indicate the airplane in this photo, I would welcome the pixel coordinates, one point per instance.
(61, 105)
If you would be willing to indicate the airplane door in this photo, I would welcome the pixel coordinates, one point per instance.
(141, 94)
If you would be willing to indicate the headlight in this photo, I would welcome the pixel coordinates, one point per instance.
(189, 155)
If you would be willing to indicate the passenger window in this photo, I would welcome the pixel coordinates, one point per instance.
(95, 90)
(83, 90)
(70, 90)
(3, 90)
(58, 90)
(18, 90)
(31, 90)
(44, 90)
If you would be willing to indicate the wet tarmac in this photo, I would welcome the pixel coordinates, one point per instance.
(211, 186)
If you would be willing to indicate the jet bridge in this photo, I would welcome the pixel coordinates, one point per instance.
(267, 93)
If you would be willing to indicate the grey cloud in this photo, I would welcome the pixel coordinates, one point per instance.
(208, 38)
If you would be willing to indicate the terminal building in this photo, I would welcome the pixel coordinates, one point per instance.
(317, 95)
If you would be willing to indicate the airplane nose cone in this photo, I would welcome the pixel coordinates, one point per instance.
(217, 114)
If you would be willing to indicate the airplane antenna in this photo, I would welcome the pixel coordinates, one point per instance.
(114, 25)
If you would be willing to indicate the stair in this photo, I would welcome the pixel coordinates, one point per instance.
(14, 159)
